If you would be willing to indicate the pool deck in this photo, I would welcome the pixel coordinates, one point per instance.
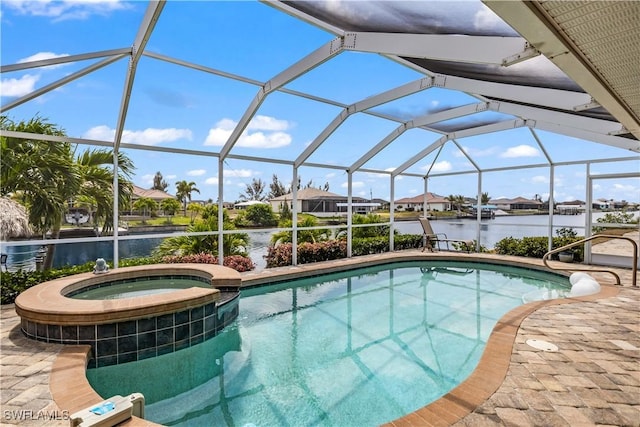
(592, 379)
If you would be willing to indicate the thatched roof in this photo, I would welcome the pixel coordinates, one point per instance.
(14, 220)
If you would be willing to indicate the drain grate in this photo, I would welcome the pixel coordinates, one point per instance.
(542, 345)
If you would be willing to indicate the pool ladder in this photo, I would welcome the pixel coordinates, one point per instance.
(634, 267)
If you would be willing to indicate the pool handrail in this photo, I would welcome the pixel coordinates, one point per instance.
(634, 266)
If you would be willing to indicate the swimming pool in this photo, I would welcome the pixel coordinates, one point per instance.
(140, 287)
(355, 348)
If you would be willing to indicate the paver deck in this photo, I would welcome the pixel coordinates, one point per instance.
(592, 379)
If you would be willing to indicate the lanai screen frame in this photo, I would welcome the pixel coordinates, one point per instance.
(548, 109)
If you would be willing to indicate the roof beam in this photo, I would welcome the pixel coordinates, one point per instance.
(61, 82)
(381, 98)
(417, 157)
(309, 62)
(154, 9)
(456, 48)
(585, 134)
(64, 59)
(531, 20)
(553, 98)
(479, 130)
(570, 120)
(418, 122)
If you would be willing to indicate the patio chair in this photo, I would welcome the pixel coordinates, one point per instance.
(432, 240)
(3, 262)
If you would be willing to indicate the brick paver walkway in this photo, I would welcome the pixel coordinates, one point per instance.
(593, 378)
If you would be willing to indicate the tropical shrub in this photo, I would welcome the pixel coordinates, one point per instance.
(536, 247)
(261, 215)
(304, 236)
(234, 244)
(237, 262)
(281, 255)
(615, 218)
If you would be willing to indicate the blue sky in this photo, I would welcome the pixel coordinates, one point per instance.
(174, 106)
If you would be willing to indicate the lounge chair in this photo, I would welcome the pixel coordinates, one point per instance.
(432, 239)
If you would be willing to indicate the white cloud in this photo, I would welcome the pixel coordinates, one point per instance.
(377, 175)
(540, 179)
(66, 9)
(171, 177)
(475, 152)
(268, 123)
(40, 56)
(149, 136)
(148, 178)
(442, 166)
(330, 175)
(485, 18)
(19, 87)
(354, 184)
(521, 151)
(196, 172)
(268, 133)
(624, 188)
(240, 173)
(211, 181)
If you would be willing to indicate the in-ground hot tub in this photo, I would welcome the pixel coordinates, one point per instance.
(132, 328)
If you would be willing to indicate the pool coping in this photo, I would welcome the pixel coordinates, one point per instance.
(71, 390)
(47, 304)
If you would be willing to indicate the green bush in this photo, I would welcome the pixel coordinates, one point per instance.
(281, 255)
(536, 247)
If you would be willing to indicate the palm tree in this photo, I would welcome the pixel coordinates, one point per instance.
(159, 183)
(233, 244)
(254, 191)
(183, 192)
(170, 206)
(45, 176)
(145, 204)
(195, 209)
(276, 188)
(485, 198)
(96, 172)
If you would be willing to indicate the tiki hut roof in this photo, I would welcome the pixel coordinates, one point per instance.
(14, 219)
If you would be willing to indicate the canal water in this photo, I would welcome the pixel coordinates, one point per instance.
(492, 231)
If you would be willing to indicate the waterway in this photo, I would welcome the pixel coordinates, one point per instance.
(492, 231)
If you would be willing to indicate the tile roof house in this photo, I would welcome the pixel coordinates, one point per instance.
(435, 202)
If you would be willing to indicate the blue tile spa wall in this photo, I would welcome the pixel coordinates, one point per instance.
(139, 339)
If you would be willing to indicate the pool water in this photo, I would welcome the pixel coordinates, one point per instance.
(357, 348)
(139, 287)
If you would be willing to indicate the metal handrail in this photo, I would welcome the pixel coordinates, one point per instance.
(580, 242)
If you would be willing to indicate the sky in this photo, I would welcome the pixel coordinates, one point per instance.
(172, 106)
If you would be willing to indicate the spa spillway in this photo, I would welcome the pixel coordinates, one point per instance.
(135, 327)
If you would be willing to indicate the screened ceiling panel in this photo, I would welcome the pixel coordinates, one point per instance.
(424, 103)
(275, 131)
(509, 148)
(330, 80)
(344, 146)
(223, 34)
(398, 146)
(198, 109)
(469, 122)
(448, 159)
(78, 106)
(336, 78)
